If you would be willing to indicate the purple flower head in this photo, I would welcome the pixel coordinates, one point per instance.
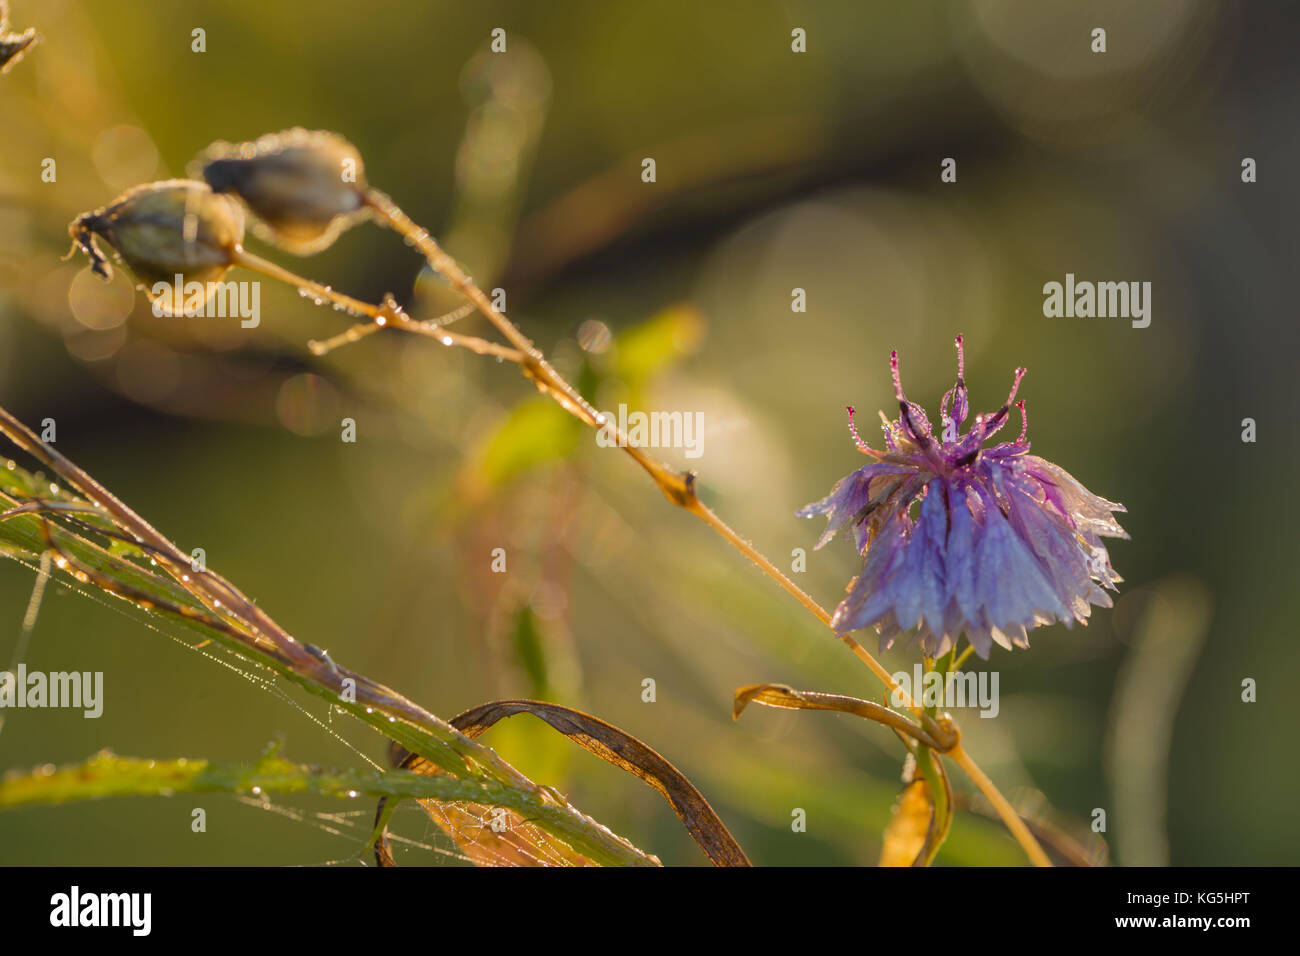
(959, 537)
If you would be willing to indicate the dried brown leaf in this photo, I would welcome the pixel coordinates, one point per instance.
(513, 845)
(905, 836)
(780, 695)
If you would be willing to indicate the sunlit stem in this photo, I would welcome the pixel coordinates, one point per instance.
(435, 331)
(270, 269)
(440, 262)
(388, 314)
(356, 333)
(1005, 810)
(928, 763)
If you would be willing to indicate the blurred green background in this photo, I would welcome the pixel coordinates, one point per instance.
(775, 170)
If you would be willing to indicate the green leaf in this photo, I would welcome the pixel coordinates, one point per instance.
(108, 775)
(530, 651)
(536, 431)
(651, 348)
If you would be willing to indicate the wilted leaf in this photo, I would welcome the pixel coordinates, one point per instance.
(915, 811)
(779, 695)
(904, 838)
(610, 744)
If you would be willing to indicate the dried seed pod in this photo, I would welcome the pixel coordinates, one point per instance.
(162, 230)
(304, 187)
(12, 45)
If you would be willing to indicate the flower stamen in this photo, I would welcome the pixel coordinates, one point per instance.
(960, 404)
(1024, 422)
(857, 439)
(918, 435)
(999, 418)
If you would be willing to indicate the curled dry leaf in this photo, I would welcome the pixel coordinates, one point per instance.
(511, 843)
(915, 832)
(780, 695)
(905, 836)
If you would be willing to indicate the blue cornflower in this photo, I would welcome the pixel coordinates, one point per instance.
(961, 538)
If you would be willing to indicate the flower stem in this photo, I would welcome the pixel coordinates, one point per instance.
(387, 314)
(928, 763)
(1000, 803)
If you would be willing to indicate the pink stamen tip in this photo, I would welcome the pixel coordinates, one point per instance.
(961, 359)
(857, 439)
(1015, 386)
(898, 382)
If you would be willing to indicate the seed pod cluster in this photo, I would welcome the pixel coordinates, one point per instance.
(303, 186)
(162, 230)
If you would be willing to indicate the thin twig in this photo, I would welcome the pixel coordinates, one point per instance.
(359, 331)
(386, 314)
